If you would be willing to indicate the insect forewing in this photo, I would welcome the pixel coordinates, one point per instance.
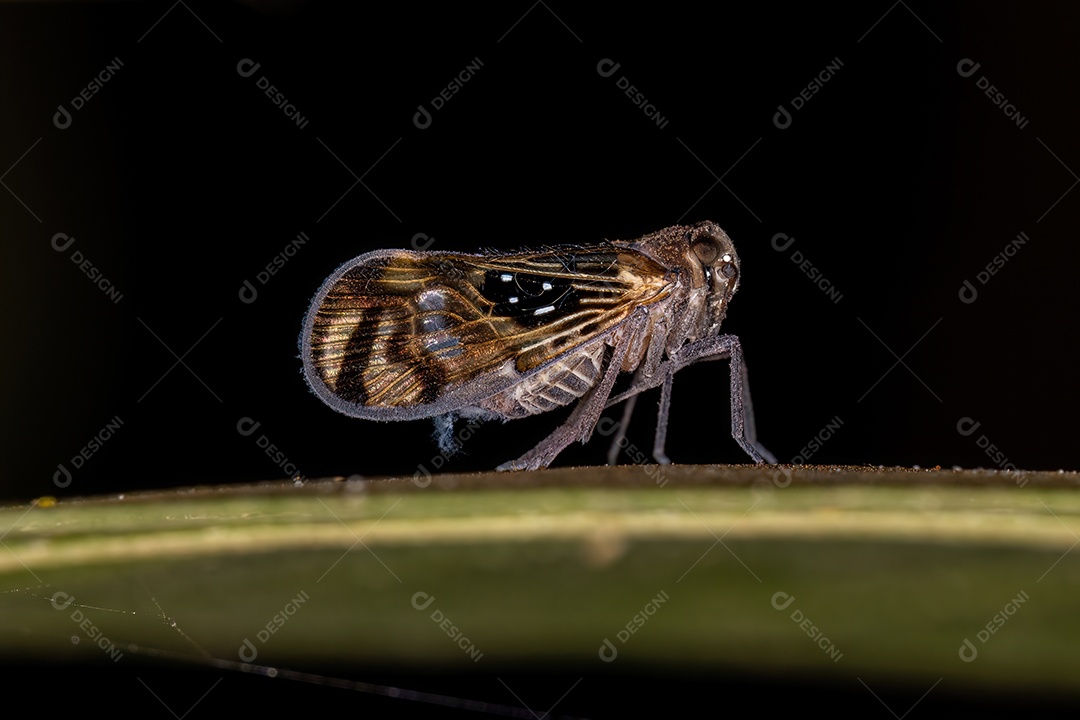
(398, 335)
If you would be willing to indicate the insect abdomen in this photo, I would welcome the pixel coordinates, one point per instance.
(559, 384)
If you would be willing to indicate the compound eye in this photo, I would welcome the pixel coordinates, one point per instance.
(728, 268)
(705, 249)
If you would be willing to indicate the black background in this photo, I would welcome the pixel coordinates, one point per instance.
(899, 180)
(180, 179)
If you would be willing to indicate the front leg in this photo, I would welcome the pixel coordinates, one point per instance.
(742, 412)
(743, 428)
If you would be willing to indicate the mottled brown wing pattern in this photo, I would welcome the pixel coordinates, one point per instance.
(398, 329)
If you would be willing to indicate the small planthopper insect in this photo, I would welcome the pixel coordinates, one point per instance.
(403, 335)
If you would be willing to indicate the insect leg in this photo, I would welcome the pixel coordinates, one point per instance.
(742, 409)
(662, 418)
(664, 375)
(749, 426)
(582, 420)
(648, 368)
(620, 433)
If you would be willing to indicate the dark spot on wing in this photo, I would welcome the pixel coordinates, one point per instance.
(529, 298)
